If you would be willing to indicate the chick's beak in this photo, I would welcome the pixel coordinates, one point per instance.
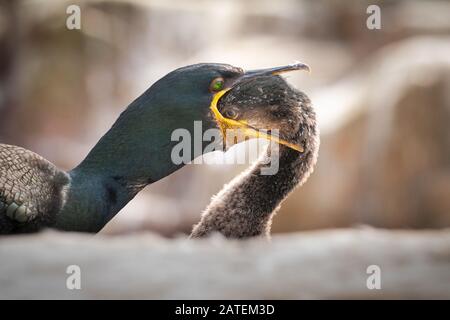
(249, 131)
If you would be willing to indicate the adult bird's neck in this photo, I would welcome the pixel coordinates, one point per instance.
(245, 207)
(135, 152)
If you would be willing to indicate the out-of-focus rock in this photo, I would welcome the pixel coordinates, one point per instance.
(387, 163)
(322, 265)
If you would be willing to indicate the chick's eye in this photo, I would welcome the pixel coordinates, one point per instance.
(217, 84)
(231, 114)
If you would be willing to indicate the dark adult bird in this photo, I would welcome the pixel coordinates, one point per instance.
(245, 207)
(135, 152)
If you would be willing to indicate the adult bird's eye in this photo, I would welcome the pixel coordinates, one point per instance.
(230, 114)
(217, 84)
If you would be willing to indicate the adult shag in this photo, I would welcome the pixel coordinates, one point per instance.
(135, 152)
(245, 207)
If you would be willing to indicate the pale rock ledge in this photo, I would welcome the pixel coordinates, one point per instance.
(319, 264)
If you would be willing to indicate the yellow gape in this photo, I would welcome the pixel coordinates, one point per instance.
(226, 123)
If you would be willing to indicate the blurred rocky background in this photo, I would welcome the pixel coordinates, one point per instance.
(382, 97)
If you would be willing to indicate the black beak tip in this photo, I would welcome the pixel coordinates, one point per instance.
(278, 70)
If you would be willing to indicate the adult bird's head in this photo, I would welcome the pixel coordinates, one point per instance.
(140, 144)
(193, 93)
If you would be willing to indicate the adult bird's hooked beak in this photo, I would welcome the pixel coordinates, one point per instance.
(231, 124)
